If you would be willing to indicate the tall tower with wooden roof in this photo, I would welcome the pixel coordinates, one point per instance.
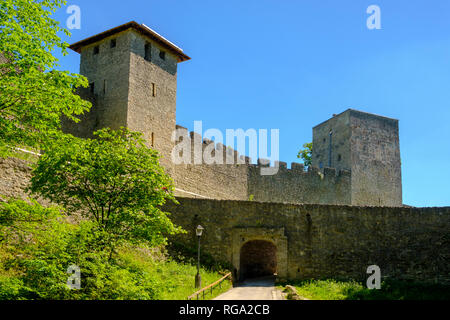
(132, 73)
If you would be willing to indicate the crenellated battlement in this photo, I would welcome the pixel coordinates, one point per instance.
(218, 171)
(235, 157)
(201, 147)
(297, 185)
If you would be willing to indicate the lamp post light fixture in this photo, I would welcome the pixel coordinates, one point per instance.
(198, 279)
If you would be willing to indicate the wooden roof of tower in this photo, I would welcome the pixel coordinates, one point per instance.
(141, 28)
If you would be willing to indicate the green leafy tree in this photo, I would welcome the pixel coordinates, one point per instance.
(37, 245)
(306, 154)
(114, 180)
(33, 94)
(34, 245)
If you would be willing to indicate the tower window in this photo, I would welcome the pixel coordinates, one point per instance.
(148, 52)
(162, 55)
(153, 89)
(113, 43)
(92, 87)
(104, 86)
(152, 141)
(96, 49)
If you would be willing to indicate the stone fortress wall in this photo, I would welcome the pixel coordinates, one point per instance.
(15, 175)
(323, 241)
(243, 180)
(311, 240)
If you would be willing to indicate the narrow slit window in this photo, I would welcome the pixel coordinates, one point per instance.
(148, 52)
(96, 49)
(104, 86)
(153, 89)
(152, 139)
(92, 87)
(113, 43)
(162, 55)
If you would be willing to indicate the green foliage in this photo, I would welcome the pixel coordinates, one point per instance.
(183, 253)
(402, 290)
(12, 288)
(306, 154)
(114, 180)
(175, 280)
(33, 95)
(331, 289)
(14, 211)
(24, 155)
(35, 244)
(327, 289)
(38, 245)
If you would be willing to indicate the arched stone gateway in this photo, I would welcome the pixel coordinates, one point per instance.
(325, 241)
(258, 258)
(259, 252)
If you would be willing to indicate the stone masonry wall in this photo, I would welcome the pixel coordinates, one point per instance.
(108, 71)
(340, 143)
(296, 185)
(313, 241)
(243, 180)
(233, 182)
(376, 164)
(325, 240)
(216, 181)
(152, 95)
(368, 146)
(15, 175)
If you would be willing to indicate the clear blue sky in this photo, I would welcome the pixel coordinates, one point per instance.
(292, 64)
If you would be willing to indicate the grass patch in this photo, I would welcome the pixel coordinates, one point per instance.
(176, 279)
(331, 289)
(30, 156)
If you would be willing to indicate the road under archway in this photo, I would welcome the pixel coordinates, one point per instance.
(258, 258)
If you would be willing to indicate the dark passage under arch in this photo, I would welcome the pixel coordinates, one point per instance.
(258, 258)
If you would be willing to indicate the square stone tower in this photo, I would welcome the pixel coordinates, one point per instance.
(132, 73)
(368, 146)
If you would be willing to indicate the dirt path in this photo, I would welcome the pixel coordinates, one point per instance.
(253, 289)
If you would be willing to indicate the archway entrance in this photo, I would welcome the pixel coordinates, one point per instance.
(258, 258)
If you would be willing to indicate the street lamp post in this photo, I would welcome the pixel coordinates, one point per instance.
(198, 279)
